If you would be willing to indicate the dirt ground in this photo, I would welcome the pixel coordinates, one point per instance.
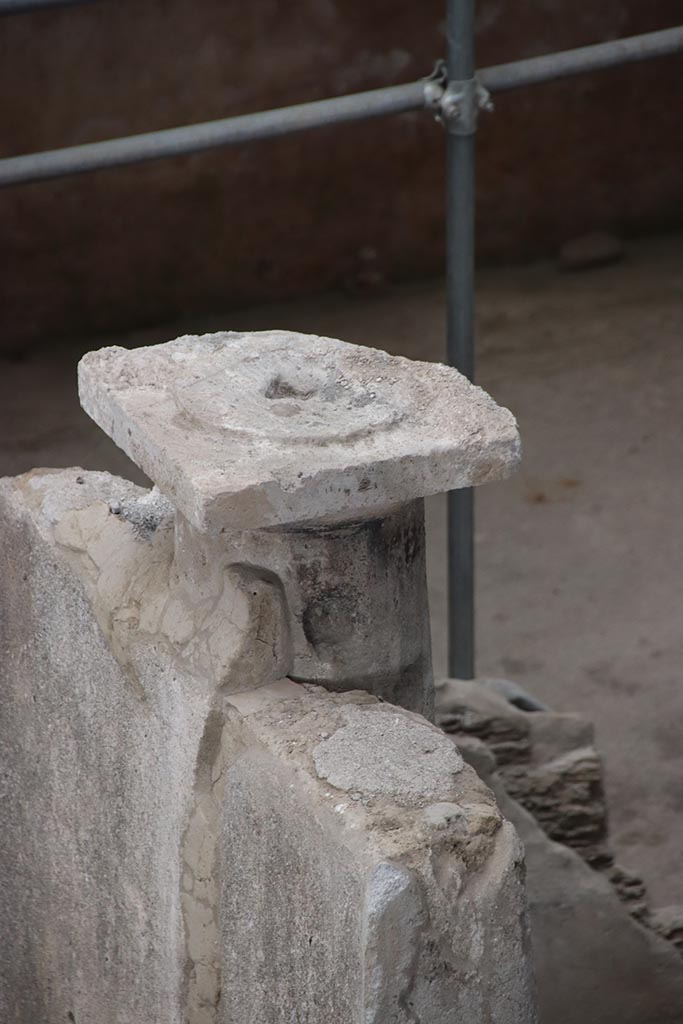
(579, 556)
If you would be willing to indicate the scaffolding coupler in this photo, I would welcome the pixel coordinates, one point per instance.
(456, 103)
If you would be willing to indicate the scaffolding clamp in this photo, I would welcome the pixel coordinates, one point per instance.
(456, 104)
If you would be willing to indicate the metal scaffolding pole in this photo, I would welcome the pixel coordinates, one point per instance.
(460, 327)
(231, 131)
(195, 138)
(23, 6)
(582, 60)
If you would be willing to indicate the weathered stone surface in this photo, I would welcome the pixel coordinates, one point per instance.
(668, 922)
(547, 761)
(185, 839)
(357, 759)
(566, 797)
(111, 663)
(336, 445)
(243, 431)
(353, 597)
(394, 885)
(594, 958)
(98, 760)
(344, 606)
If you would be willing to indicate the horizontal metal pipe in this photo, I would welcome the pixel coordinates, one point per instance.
(501, 77)
(194, 138)
(23, 6)
(396, 99)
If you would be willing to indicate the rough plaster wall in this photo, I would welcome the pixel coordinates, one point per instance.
(140, 244)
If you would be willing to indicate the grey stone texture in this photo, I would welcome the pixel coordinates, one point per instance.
(549, 764)
(97, 754)
(352, 597)
(547, 760)
(334, 444)
(396, 900)
(593, 962)
(668, 922)
(193, 838)
(270, 428)
(596, 952)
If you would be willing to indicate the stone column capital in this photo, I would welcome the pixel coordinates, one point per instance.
(273, 428)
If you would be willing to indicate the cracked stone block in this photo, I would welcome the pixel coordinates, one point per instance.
(548, 761)
(394, 882)
(598, 953)
(592, 960)
(192, 838)
(242, 431)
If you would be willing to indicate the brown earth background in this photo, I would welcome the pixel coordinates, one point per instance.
(142, 245)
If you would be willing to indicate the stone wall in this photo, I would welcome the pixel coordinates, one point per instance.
(178, 848)
(598, 950)
(351, 205)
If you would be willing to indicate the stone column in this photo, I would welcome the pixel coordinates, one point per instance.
(308, 459)
(217, 813)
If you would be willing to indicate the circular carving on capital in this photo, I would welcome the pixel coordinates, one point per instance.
(290, 391)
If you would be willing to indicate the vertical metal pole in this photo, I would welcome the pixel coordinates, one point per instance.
(460, 336)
